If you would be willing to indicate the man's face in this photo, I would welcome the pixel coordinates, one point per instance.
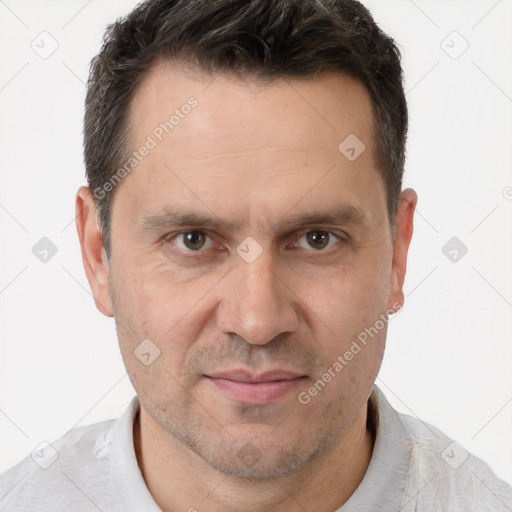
(254, 289)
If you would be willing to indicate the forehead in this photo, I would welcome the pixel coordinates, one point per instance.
(299, 112)
(250, 144)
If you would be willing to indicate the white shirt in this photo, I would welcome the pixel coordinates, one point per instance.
(414, 467)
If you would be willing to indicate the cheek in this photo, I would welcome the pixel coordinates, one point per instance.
(354, 296)
(152, 345)
(345, 308)
(152, 304)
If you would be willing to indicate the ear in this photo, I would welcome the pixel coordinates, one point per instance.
(94, 258)
(402, 239)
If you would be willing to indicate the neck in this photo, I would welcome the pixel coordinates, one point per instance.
(180, 480)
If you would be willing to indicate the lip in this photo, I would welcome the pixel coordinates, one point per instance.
(256, 388)
(242, 375)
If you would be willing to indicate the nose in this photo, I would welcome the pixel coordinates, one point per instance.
(257, 302)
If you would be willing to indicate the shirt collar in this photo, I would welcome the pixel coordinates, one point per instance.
(384, 482)
(125, 473)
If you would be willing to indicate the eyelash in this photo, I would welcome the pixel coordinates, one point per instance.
(204, 253)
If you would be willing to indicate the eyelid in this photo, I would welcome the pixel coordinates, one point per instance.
(339, 234)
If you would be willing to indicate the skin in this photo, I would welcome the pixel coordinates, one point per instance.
(254, 155)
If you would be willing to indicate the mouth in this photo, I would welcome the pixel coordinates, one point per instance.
(256, 388)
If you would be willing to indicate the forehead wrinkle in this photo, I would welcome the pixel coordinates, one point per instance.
(254, 151)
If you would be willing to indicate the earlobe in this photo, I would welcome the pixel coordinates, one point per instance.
(403, 235)
(94, 258)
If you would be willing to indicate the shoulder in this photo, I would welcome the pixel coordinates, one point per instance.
(443, 475)
(44, 480)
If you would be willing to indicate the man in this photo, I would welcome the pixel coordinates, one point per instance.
(245, 226)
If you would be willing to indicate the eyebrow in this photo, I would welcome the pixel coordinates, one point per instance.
(341, 215)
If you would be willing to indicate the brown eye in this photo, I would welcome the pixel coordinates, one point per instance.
(319, 240)
(192, 240)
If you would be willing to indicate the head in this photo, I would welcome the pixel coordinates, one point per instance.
(244, 214)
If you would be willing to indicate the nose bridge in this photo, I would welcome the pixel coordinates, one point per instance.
(256, 304)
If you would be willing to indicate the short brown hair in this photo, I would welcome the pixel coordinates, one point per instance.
(263, 39)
